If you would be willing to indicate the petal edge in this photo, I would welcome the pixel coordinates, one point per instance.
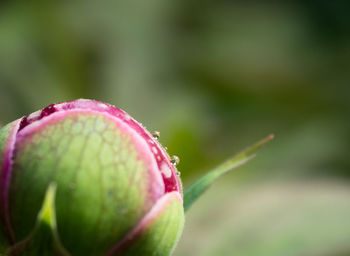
(157, 233)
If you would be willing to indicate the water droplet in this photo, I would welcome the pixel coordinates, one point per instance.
(165, 170)
(166, 148)
(175, 160)
(156, 135)
(178, 173)
(102, 105)
(154, 149)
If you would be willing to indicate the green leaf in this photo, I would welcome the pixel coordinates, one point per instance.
(47, 214)
(201, 185)
(44, 239)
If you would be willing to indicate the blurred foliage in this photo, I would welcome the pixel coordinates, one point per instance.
(213, 77)
(275, 218)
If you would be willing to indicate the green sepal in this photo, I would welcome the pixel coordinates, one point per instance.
(6, 132)
(158, 233)
(202, 184)
(44, 239)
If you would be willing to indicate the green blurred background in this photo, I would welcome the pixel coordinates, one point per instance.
(213, 77)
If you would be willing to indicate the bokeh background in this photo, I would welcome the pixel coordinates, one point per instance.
(212, 77)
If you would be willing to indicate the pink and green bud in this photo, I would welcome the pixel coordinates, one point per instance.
(85, 178)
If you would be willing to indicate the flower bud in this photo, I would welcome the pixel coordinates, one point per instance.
(84, 178)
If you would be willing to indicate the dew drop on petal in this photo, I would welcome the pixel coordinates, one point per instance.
(166, 171)
(34, 115)
(156, 135)
(102, 105)
(175, 160)
(154, 149)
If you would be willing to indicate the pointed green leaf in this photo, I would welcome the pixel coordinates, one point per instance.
(44, 239)
(202, 184)
(47, 213)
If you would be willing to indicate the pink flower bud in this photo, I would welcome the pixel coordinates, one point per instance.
(116, 189)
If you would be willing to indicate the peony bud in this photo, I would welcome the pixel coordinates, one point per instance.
(84, 178)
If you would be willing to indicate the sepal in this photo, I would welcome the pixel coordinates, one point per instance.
(44, 239)
(157, 233)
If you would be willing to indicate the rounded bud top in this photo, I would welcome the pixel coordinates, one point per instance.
(111, 175)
